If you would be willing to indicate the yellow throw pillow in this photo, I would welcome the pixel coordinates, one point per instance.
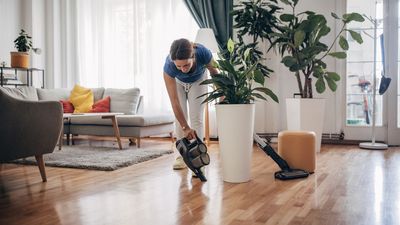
(82, 99)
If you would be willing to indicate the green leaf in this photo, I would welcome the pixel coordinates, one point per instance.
(286, 17)
(258, 96)
(268, 92)
(339, 55)
(353, 17)
(230, 45)
(286, 2)
(318, 72)
(208, 81)
(246, 53)
(343, 43)
(334, 76)
(334, 15)
(356, 36)
(331, 84)
(259, 77)
(289, 61)
(299, 37)
(320, 85)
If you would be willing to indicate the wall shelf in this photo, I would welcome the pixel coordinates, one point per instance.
(15, 81)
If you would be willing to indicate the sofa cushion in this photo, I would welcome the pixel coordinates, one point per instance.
(82, 99)
(54, 94)
(123, 100)
(103, 105)
(67, 106)
(22, 92)
(127, 120)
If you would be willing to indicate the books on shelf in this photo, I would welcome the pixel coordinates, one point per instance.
(9, 76)
(12, 81)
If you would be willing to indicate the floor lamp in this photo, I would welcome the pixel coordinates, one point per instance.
(206, 37)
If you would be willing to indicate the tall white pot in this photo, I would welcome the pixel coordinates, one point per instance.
(235, 134)
(306, 114)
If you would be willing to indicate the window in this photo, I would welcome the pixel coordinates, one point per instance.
(124, 43)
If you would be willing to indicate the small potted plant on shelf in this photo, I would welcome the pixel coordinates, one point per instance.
(23, 44)
(239, 83)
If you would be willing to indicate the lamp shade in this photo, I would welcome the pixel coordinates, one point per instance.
(206, 37)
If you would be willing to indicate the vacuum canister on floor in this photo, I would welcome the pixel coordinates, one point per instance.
(194, 154)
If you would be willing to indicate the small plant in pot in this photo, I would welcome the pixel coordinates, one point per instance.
(236, 87)
(23, 44)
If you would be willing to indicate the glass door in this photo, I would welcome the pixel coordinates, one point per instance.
(363, 63)
(364, 67)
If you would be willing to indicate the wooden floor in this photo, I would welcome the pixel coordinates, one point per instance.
(350, 186)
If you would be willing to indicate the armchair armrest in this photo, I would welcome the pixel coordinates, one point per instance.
(28, 127)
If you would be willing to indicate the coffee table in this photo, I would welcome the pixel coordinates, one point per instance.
(68, 116)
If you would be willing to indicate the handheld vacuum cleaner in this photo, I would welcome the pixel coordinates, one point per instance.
(286, 172)
(194, 154)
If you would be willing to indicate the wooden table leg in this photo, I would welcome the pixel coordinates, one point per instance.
(60, 141)
(116, 129)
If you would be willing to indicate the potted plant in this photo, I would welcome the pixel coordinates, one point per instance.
(236, 88)
(298, 38)
(23, 44)
(255, 21)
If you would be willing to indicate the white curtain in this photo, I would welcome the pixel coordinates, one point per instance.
(122, 44)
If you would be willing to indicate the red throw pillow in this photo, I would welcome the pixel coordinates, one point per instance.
(103, 105)
(67, 106)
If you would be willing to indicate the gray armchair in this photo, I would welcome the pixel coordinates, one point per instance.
(28, 128)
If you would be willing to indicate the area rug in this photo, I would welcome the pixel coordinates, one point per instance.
(96, 158)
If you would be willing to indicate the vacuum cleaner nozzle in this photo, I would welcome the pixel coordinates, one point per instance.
(286, 173)
(194, 154)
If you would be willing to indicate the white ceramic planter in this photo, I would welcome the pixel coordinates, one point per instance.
(235, 134)
(306, 114)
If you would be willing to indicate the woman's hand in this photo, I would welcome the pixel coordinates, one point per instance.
(189, 133)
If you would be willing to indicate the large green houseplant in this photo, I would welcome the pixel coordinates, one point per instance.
(255, 21)
(237, 86)
(237, 79)
(298, 38)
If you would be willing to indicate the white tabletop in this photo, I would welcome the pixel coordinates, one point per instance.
(72, 115)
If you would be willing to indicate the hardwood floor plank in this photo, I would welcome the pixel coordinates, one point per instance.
(350, 186)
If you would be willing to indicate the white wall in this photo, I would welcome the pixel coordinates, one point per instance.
(10, 23)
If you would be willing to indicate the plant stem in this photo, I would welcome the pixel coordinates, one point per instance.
(297, 74)
(310, 93)
(333, 43)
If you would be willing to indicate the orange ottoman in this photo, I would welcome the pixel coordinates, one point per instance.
(298, 149)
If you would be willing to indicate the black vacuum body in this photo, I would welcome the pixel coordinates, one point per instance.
(194, 154)
(286, 173)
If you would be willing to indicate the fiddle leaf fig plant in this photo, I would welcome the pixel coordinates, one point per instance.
(255, 19)
(23, 43)
(235, 84)
(298, 38)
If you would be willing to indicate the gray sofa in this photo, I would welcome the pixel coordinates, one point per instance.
(134, 124)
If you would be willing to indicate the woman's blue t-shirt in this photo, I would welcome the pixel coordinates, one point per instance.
(203, 57)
